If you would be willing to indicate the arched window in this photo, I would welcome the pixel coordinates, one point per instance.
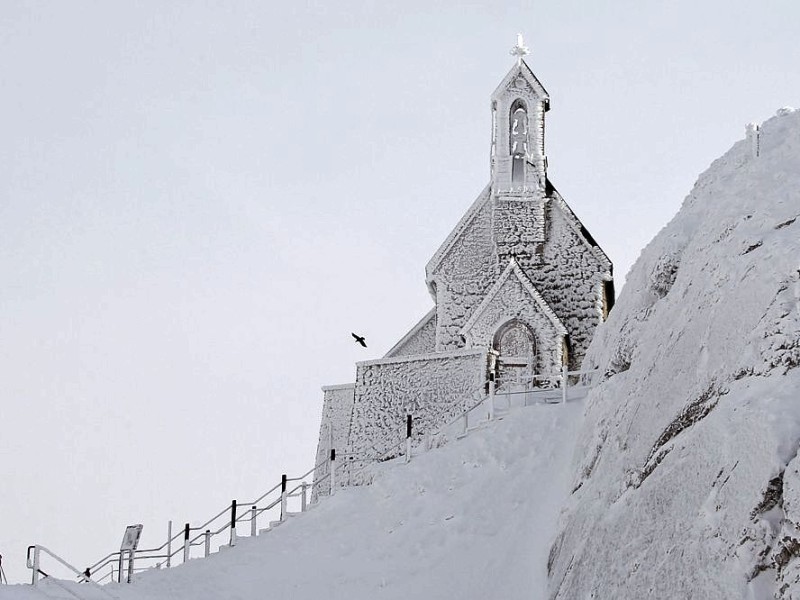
(518, 140)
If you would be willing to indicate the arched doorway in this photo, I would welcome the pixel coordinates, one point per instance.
(516, 346)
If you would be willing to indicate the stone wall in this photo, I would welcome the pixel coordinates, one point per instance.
(567, 269)
(420, 340)
(519, 228)
(513, 297)
(570, 278)
(334, 431)
(433, 388)
(464, 274)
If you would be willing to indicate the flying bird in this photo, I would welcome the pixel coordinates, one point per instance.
(359, 339)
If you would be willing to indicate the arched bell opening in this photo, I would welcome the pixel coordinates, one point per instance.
(518, 141)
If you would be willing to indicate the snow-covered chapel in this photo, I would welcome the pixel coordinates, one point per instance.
(519, 287)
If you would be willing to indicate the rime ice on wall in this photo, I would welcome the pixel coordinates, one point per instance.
(334, 429)
(461, 273)
(519, 229)
(513, 298)
(420, 340)
(431, 387)
(519, 271)
(571, 278)
(568, 270)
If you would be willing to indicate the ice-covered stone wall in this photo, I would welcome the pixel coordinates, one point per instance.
(462, 271)
(420, 340)
(567, 269)
(334, 430)
(431, 387)
(513, 298)
(570, 278)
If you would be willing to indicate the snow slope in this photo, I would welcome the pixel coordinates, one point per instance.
(686, 480)
(473, 519)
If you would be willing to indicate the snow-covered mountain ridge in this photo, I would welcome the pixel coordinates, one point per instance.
(687, 480)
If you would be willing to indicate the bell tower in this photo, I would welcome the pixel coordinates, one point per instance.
(518, 161)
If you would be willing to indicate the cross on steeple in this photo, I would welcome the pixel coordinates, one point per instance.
(520, 49)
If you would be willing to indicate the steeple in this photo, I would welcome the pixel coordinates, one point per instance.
(518, 160)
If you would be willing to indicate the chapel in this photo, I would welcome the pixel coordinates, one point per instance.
(518, 288)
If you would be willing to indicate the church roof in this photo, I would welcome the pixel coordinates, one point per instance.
(458, 230)
(579, 228)
(514, 270)
(522, 69)
(573, 221)
(431, 314)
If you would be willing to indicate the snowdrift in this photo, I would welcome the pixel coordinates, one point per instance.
(686, 480)
(473, 519)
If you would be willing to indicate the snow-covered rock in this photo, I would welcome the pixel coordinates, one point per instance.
(687, 476)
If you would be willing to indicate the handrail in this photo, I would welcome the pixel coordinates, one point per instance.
(476, 404)
(35, 566)
(468, 401)
(204, 534)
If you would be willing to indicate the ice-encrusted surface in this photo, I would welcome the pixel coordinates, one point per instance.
(334, 431)
(434, 388)
(686, 480)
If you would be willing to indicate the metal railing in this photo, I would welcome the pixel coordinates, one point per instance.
(34, 560)
(556, 389)
(288, 497)
(123, 565)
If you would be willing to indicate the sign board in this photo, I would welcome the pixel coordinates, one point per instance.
(131, 538)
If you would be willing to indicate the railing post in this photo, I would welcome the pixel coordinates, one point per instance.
(491, 396)
(564, 383)
(169, 543)
(332, 468)
(207, 542)
(35, 566)
(283, 496)
(408, 438)
(120, 566)
(130, 565)
(303, 497)
(233, 523)
(186, 543)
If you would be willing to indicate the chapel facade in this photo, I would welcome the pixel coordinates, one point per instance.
(518, 286)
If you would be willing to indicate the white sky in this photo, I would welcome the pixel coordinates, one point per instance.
(199, 201)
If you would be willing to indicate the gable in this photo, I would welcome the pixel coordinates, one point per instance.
(512, 296)
(459, 230)
(521, 78)
(420, 340)
(583, 234)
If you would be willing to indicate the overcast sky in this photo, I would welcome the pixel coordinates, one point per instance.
(199, 201)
